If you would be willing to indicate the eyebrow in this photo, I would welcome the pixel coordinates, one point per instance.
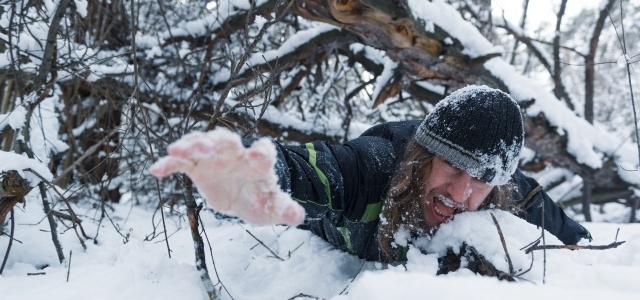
(450, 164)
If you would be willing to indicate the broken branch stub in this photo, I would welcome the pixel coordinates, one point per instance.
(13, 188)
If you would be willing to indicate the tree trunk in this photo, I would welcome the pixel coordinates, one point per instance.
(589, 62)
(558, 88)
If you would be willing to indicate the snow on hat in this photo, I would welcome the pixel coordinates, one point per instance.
(477, 129)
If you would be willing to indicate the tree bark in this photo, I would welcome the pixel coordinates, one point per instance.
(193, 213)
(558, 88)
(12, 191)
(589, 62)
(523, 23)
(50, 46)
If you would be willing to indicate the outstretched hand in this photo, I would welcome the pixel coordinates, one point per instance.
(232, 178)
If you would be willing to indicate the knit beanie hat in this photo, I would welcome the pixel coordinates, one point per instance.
(477, 129)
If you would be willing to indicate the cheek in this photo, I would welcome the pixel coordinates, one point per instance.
(477, 197)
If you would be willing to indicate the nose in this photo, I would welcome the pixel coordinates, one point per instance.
(460, 187)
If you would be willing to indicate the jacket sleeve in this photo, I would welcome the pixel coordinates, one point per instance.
(341, 187)
(534, 201)
(343, 178)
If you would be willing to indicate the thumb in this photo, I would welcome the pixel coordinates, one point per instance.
(170, 164)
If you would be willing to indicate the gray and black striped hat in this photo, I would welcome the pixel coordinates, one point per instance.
(477, 129)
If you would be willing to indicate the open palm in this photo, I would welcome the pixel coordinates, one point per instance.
(232, 178)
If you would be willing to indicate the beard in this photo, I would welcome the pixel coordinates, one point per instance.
(437, 208)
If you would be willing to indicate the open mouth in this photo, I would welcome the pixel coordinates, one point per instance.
(445, 208)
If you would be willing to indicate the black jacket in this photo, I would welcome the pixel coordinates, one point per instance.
(342, 188)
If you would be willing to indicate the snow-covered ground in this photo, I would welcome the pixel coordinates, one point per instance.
(125, 266)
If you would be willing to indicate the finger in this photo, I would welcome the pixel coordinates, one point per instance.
(293, 214)
(225, 144)
(261, 156)
(188, 144)
(285, 210)
(169, 165)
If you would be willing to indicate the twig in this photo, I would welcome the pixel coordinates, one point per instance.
(69, 267)
(237, 67)
(527, 270)
(6, 255)
(305, 296)
(575, 247)
(633, 105)
(265, 246)
(615, 244)
(504, 244)
(114, 224)
(193, 212)
(72, 215)
(544, 243)
(623, 47)
(43, 194)
(52, 223)
(164, 224)
(86, 154)
(354, 277)
(534, 243)
(294, 250)
(157, 181)
(213, 261)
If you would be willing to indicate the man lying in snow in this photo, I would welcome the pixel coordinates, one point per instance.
(396, 177)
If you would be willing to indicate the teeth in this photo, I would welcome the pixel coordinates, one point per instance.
(446, 201)
(439, 211)
(450, 203)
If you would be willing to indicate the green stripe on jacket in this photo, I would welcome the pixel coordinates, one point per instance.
(323, 178)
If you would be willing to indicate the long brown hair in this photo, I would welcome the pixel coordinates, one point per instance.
(401, 210)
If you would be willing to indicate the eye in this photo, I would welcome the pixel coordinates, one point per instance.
(479, 184)
(451, 168)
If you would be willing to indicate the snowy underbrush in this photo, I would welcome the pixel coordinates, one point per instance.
(130, 260)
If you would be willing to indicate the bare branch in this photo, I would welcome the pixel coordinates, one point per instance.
(263, 245)
(574, 247)
(504, 244)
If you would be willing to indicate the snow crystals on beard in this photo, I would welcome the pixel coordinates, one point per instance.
(401, 237)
